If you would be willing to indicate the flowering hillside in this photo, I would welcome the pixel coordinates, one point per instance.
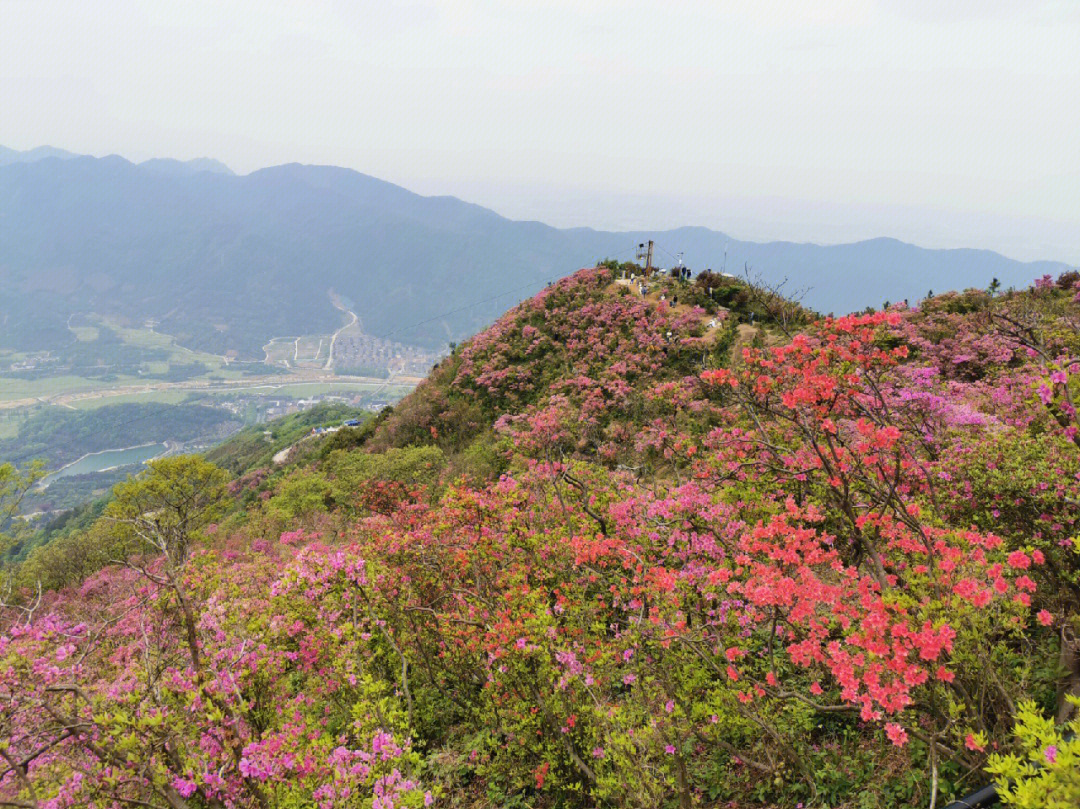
(621, 549)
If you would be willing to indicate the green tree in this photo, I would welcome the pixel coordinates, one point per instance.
(302, 495)
(166, 508)
(168, 505)
(69, 558)
(14, 484)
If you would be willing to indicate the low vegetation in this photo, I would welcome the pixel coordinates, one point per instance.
(256, 446)
(617, 550)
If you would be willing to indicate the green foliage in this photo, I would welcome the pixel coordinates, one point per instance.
(79, 517)
(959, 303)
(254, 446)
(60, 436)
(1045, 772)
(352, 437)
(72, 557)
(301, 495)
(484, 459)
(14, 484)
(628, 267)
(414, 466)
(161, 510)
(168, 505)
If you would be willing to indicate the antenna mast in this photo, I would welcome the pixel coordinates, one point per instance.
(646, 253)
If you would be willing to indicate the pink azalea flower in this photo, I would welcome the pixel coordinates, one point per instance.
(897, 735)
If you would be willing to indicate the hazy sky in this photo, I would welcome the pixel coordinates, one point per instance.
(817, 120)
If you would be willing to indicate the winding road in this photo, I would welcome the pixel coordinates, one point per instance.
(333, 339)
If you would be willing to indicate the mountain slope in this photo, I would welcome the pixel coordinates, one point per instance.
(600, 558)
(228, 262)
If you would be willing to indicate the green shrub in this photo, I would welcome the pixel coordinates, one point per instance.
(1046, 773)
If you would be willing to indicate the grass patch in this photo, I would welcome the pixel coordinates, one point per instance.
(84, 334)
(158, 396)
(311, 350)
(55, 385)
(9, 426)
(149, 339)
(279, 351)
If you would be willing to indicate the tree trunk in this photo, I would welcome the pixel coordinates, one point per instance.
(1070, 666)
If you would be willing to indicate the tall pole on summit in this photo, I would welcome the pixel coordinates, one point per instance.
(642, 253)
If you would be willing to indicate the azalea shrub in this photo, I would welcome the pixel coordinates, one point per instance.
(265, 700)
(610, 554)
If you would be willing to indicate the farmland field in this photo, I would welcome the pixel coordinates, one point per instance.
(145, 397)
(13, 388)
(9, 424)
(312, 350)
(84, 334)
(280, 350)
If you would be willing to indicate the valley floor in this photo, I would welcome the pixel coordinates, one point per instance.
(204, 386)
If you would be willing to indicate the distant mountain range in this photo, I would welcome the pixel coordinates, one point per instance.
(163, 165)
(225, 261)
(32, 155)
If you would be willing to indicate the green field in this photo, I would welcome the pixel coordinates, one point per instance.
(160, 396)
(152, 340)
(13, 388)
(84, 334)
(9, 424)
(280, 350)
(148, 338)
(305, 389)
(312, 349)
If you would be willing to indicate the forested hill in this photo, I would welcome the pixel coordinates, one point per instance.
(228, 262)
(674, 545)
(60, 436)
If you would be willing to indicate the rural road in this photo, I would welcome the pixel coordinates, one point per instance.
(330, 359)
